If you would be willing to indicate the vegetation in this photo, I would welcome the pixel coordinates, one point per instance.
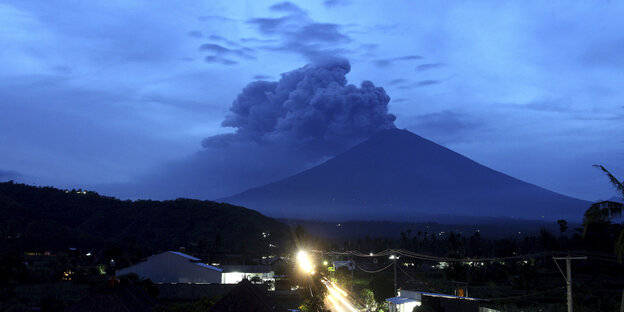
(57, 245)
(601, 213)
(45, 218)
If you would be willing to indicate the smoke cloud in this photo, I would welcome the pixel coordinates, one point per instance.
(281, 128)
(311, 108)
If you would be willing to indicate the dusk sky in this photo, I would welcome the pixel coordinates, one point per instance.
(105, 95)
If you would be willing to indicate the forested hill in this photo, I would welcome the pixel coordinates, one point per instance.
(45, 218)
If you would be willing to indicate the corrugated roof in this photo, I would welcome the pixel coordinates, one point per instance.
(401, 300)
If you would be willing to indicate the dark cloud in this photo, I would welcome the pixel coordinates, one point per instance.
(262, 77)
(256, 40)
(424, 83)
(397, 81)
(281, 127)
(445, 126)
(429, 66)
(400, 100)
(223, 55)
(196, 34)
(298, 33)
(222, 39)
(215, 17)
(420, 84)
(219, 60)
(389, 61)
(335, 3)
(288, 7)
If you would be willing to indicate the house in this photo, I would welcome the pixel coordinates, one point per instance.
(174, 267)
(408, 299)
(233, 274)
(246, 297)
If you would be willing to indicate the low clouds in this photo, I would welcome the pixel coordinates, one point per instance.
(390, 61)
(429, 66)
(281, 127)
(335, 3)
(418, 84)
(223, 55)
(445, 126)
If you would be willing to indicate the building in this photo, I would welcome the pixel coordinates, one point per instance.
(233, 274)
(408, 299)
(174, 267)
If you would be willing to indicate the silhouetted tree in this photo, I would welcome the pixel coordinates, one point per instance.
(608, 211)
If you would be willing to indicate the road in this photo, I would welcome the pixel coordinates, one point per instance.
(337, 299)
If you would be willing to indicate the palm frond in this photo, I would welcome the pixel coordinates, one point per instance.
(618, 184)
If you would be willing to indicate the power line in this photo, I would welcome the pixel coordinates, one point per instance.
(375, 271)
(410, 254)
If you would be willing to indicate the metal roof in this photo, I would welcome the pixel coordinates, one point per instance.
(208, 266)
(184, 255)
(401, 300)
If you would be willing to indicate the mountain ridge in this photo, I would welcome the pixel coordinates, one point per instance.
(397, 174)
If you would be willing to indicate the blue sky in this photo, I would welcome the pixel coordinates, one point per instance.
(109, 92)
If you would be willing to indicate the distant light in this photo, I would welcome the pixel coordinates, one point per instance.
(370, 253)
(88, 254)
(325, 262)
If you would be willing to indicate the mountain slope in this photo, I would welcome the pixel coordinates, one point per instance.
(45, 218)
(397, 175)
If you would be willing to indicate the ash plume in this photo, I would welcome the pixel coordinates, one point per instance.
(281, 128)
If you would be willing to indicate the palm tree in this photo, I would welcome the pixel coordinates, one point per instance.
(606, 211)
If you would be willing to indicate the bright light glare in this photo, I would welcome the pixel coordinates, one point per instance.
(334, 293)
(344, 293)
(304, 262)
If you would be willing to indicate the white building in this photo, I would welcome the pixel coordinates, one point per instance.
(232, 274)
(174, 267)
(405, 301)
(408, 299)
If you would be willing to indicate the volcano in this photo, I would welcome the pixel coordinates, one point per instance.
(397, 175)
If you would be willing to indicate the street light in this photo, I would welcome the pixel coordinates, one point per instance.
(304, 262)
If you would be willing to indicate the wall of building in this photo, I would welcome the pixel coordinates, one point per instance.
(171, 268)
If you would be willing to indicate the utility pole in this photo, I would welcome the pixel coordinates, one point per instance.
(395, 257)
(568, 275)
(352, 265)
